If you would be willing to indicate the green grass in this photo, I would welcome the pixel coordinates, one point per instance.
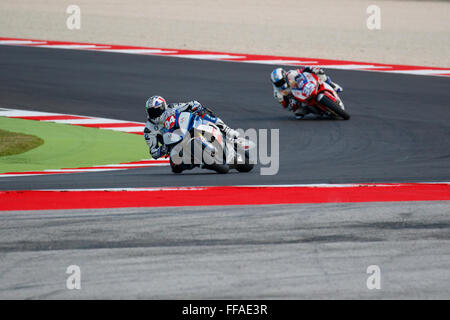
(68, 146)
(15, 143)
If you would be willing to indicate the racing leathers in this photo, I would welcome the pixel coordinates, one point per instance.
(153, 131)
(287, 99)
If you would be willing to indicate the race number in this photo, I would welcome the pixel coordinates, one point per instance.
(170, 122)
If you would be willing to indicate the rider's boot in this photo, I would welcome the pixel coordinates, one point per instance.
(335, 86)
(179, 168)
(229, 133)
(300, 113)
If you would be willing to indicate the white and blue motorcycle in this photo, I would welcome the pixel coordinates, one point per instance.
(196, 142)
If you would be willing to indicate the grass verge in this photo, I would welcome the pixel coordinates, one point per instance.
(68, 146)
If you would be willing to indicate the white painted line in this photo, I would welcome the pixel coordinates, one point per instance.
(79, 170)
(4, 175)
(91, 121)
(25, 113)
(420, 72)
(21, 42)
(281, 62)
(133, 165)
(252, 186)
(126, 129)
(342, 185)
(208, 56)
(350, 66)
(130, 189)
(139, 51)
(72, 46)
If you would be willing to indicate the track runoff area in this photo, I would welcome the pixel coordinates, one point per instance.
(200, 195)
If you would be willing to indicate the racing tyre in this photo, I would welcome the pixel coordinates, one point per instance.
(247, 166)
(334, 108)
(219, 168)
(176, 168)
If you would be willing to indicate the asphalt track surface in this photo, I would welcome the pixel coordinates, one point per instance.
(398, 133)
(250, 252)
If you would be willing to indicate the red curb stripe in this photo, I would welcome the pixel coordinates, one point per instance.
(370, 66)
(42, 118)
(146, 161)
(114, 167)
(216, 196)
(110, 125)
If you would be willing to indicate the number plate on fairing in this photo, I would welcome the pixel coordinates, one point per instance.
(306, 86)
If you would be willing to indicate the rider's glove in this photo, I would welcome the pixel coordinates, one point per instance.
(208, 111)
(278, 96)
(293, 104)
(196, 106)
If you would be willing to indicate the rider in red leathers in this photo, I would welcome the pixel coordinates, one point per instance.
(284, 81)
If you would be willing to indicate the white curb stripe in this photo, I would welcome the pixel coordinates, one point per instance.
(351, 185)
(90, 121)
(24, 113)
(349, 66)
(21, 42)
(139, 51)
(420, 72)
(209, 56)
(81, 170)
(72, 46)
(283, 62)
(223, 56)
(126, 129)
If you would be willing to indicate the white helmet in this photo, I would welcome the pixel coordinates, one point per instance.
(279, 78)
(155, 107)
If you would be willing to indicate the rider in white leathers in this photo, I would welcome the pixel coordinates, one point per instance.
(283, 82)
(158, 110)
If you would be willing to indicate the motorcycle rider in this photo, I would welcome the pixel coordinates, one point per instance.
(158, 111)
(284, 81)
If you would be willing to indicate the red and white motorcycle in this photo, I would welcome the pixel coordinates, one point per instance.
(318, 97)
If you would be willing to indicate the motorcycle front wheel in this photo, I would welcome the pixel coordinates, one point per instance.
(334, 108)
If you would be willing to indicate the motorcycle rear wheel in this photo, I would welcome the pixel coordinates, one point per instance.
(219, 168)
(247, 166)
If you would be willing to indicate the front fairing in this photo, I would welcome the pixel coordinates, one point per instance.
(305, 86)
(178, 124)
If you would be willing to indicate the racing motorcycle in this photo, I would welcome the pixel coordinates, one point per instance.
(199, 143)
(319, 97)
